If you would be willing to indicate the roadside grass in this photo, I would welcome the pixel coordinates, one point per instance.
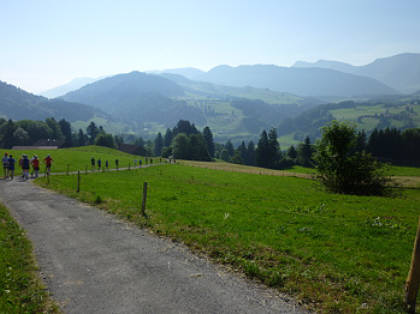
(21, 290)
(336, 253)
(76, 157)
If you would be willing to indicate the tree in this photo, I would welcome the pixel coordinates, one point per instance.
(181, 146)
(274, 153)
(229, 148)
(92, 131)
(66, 131)
(243, 153)
(82, 138)
(104, 139)
(158, 145)
(208, 138)
(292, 153)
(304, 153)
(251, 155)
(20, 136)
(56, 134)
(343, 169)
(7, 130)
(168, 138)
(198, 148)
(263, 151)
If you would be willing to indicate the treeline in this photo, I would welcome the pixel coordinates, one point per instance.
(267, 153)
(396, 146)
(53, 133)
(185, 141)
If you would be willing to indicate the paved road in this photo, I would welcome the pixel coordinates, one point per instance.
(94, 263)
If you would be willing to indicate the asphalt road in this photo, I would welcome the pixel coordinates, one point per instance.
(94, 263)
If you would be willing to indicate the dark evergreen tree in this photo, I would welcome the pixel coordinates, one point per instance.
(263, 151)
(304, 153)
(198, 148)
(185, 127)
(158, 145)
(251, 154)
(274, 153)
(66, 130)
(243, 153)
(292, 153)
(92, 131)
(230, 149)
(208, 137)
(168, 138)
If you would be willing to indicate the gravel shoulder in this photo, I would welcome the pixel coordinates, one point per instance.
(94, 263)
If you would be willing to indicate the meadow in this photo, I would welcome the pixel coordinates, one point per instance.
(336, 253)
(78, 158)
(21, 290)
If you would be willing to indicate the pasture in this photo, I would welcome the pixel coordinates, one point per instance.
(337, 253)
(21, 290)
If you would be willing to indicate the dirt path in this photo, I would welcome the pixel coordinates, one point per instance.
(94, 263)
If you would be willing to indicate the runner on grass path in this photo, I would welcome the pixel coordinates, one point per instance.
(35, 165)
(48, 161)
(26, 165)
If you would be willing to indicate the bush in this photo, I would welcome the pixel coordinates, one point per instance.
(344, 169)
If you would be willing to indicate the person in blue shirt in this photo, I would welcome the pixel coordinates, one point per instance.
(5, 162)
(11, 165)
(26, 164)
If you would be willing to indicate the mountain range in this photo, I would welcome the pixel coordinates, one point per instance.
(236, 102)
(400, 72)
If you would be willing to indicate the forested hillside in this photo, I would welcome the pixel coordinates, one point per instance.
(386, 112)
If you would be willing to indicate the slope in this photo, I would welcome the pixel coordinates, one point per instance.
(313, 82)
(68, 87)
(399, 112)
(18, 104)
(401, 72)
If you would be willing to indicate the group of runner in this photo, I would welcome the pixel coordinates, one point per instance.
(26, 164)
(98, 163)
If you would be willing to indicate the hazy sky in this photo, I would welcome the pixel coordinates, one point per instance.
(45, 43)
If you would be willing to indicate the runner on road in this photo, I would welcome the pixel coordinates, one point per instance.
(5, 161)
(35, 165)
(25, 167)
(48, 160)
(11, 166)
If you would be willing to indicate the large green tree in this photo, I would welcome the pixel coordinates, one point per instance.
(208, 137)
(342, 168)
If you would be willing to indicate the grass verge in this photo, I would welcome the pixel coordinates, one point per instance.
(20, 288)
(337, 253)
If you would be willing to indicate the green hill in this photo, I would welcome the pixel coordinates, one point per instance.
(148, 103)
(18, 104)
(387, 112)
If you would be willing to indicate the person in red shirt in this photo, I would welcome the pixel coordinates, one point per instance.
(48, 161)
(35, 165)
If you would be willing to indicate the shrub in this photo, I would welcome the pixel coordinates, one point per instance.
(344, 169)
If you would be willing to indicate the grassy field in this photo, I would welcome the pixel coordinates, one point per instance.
(20, 288)
(77, 157)
(337, 253)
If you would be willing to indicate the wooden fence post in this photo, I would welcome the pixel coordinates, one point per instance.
(129, 165)
(78, 181)
(143, 203)
(67, 170)
(86, 170)
(413, 280)
(48, 177)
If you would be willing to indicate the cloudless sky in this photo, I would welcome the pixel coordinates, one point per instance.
(45, 43)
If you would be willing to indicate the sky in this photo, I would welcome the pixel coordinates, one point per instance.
(46, 43)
